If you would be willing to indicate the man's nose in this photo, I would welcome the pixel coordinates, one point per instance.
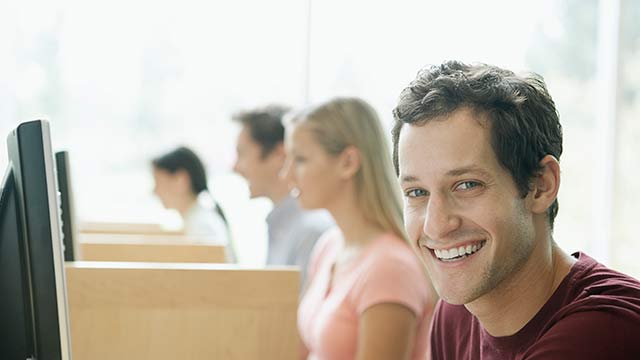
(440, 218)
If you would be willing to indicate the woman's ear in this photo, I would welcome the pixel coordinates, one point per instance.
(350, 161)
(546, 185)
(182, 180)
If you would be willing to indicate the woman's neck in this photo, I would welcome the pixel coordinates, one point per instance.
(184, 206)
(356, 229)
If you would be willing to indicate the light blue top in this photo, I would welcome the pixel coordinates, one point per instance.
(293, 232)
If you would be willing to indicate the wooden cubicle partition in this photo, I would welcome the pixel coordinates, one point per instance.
(94, 227)
(166, 238)
(148, 248)
(180, 253)
(181, 311)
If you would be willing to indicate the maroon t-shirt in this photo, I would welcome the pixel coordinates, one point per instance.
(594, 314)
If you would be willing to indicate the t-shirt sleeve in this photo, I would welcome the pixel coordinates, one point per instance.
(590, 335)
(395, 277)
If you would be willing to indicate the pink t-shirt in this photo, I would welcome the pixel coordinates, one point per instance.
(387, 271)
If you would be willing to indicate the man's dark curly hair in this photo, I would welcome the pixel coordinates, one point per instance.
(522, 117)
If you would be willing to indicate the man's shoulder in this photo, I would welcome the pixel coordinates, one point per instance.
(595, 287)
(590, 334)
(599, 319)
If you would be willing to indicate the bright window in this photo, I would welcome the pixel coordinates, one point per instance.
(123, 81)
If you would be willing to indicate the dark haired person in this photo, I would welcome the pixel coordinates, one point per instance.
(180, 178)
(477, 151)
(292, 231)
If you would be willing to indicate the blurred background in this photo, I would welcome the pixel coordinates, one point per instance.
(123, 81)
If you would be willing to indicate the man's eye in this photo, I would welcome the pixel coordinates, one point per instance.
(467, 185)
(414, 193)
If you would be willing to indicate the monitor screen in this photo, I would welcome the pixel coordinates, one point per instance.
(33, 307)
(69, 235)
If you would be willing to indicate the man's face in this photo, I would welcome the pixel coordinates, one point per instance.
(261, 172)
(461, 207)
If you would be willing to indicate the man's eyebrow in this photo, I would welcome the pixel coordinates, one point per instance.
(467, 169)
(408, 178)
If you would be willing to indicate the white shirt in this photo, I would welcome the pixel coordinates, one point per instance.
(206, 222)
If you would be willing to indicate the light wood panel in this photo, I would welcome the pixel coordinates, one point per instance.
(167, 238)
(181, 253)
(181, 311)
(123, 228)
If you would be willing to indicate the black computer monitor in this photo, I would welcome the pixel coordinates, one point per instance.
(33, 307)
(69, 235)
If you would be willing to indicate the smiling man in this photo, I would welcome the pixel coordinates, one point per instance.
(477, 151)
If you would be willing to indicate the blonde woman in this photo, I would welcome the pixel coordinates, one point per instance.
(367, 296)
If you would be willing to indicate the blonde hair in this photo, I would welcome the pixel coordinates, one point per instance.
(343, 122)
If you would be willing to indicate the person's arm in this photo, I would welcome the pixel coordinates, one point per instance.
(304, 352)
(386, 332)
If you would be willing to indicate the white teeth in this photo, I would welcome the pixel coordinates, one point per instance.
(451, 254)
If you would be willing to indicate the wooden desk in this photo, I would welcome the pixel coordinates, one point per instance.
(181, 311)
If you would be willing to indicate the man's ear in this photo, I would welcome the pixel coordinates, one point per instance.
(278, 154)
(350, 161)
(545, 185)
